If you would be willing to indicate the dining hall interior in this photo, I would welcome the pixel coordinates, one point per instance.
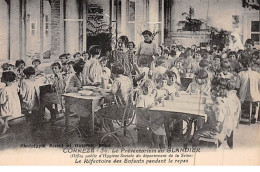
(130, 73)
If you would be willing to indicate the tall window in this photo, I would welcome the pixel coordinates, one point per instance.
(4, 21)
(255, 31)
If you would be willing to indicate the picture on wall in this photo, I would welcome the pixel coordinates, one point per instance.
(235, 21)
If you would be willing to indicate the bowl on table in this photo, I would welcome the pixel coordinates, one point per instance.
(85, 92)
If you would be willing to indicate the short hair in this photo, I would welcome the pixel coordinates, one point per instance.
(75, 54)
(118, 68)
(70, 62)
(8, 76)
(145, 84)
(124, 39)
(29, 71)
(170, 74)
(78, 66)
(215, 81)
(218, 91)
(94, 50)
(147, 32)
(225, 64)
(203, 63)
(160, 60)
(36, 60)
(166, 51)
(231, 84)
(63, 55)
(131, 43)
(160, 78)
(232, 53)
(217, 57)
(223, 82)
(142, 61)
(201, 74)
(250, 41)
(56, 64)
(5, 66)
(172, 53)
(244, 63)
(18, 62)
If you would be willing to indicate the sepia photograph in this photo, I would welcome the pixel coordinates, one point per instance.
(129, 82)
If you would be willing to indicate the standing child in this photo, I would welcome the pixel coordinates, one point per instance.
(9, 100)
(36, 63)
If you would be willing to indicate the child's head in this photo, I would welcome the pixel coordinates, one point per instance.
(77, 56)
(95, 51)
(225, 66)
(256, 57)
(232, 56)
(8, 76)
(103, 61)
(217, 92)
(143, 62)
(172, 53)
(161, 61)
(122, 42)
(172, 77)
(231, 84)
(204, 64)
(63, 58)
(68, 55)
(70, 66)
(29, 72)
(78, 66)
(36, 63)
(5, 66)
(20, 64)
(131, 45)
(179, 64)
(217, 59)
(56, 67)
(197, 56)
(160, 81)
(188, 52)
(201, 77)
(118, 69)
(249, 44)
(85, 55)
(147, 87)
(147, 35)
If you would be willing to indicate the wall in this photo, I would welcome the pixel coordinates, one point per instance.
(4, 20)
(14, 31)
(216, 13)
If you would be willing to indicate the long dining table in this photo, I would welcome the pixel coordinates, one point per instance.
(187, 109)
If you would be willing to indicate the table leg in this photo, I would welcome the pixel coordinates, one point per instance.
(66, 115)
(93, 116)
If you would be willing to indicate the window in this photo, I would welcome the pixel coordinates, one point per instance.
(46, 25)
(255, 31)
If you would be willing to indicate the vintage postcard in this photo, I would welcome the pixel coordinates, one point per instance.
(129, 82)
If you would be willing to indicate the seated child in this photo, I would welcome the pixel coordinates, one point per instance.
(232, 58)
(36, 63)
(69, 71)
(63, 60)
(256, 61)
(106, 72)
(142, 70)
(225, 70)
(171, 59)
(195, 62)
(58, 87)
(215, 66)
(77, 56)
(146, 118)
(75, 81)
(172, 86)
(161, 92)
(204, 65)
(216, 125)
(200, 85)
(9, 100)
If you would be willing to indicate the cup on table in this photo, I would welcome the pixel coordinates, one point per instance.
(203, 100)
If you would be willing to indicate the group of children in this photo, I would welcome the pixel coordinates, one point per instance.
(155, 72)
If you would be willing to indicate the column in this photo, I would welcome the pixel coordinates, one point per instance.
(123, 17)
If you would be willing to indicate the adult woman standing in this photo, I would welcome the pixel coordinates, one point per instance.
(235, 42)
(120, 56)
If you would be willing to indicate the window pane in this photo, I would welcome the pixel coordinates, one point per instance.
(255, 26)
(255, 37)
(131, 10)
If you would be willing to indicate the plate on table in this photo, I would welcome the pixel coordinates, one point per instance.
(85, 92)
(89, 88)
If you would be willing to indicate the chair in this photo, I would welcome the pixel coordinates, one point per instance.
(125, 114)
